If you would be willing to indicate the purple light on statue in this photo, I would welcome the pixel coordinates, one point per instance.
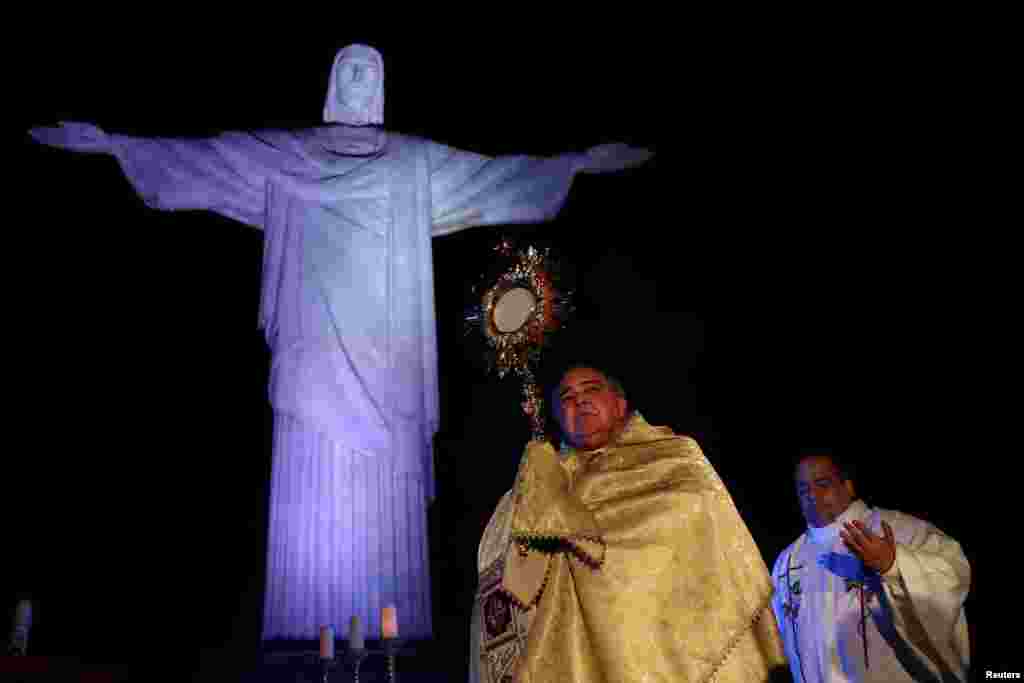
(348, 211)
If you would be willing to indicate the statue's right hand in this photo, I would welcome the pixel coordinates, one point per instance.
(78, 137)
(614, 157)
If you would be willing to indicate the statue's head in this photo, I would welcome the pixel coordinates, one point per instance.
(355, 92)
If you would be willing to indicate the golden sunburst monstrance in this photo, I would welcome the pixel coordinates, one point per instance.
(517, 313)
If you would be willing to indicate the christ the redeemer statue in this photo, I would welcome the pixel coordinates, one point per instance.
(348, 211)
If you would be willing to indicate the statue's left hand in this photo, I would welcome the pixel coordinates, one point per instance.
(78, 137)
(614, 157)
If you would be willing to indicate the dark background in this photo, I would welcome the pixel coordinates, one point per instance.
(790, 271)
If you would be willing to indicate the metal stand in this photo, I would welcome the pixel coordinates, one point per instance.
(326, 666)
(533, 405)
(391, 648)
(355, 658)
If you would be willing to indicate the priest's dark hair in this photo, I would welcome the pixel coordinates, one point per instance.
(613, 382)
(845, 466)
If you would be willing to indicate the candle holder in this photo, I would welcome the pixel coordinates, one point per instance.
(355, 659)
(326, 667)
(391, 647)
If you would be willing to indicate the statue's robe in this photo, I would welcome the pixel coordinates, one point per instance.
(628, 563)
(348, 310)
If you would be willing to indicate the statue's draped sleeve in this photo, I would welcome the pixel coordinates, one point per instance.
(469, 189)
(227, 174)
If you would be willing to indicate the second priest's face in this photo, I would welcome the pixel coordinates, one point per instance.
(822, 492)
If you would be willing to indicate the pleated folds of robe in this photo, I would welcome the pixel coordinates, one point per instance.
(629, 563)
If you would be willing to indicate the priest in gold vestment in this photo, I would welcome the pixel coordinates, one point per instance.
(623, 561)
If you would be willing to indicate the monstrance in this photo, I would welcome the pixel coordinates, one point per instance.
(517, 312)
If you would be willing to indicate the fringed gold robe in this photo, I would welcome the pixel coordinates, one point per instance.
(626, 564)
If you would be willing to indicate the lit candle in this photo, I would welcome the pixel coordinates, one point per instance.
(326, 642)
(355, 635)
(389, 623)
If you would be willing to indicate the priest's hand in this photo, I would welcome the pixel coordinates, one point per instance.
(614, 157)
(876, 552)
(78, 137)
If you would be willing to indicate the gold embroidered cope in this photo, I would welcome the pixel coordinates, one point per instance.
(629, 563)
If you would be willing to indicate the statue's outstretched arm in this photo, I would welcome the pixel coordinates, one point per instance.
(226, 174)
(77, 137)
(470, 190)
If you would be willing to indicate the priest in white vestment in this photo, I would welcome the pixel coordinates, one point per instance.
(867, 594)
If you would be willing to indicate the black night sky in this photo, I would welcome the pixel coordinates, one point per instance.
(774, 279)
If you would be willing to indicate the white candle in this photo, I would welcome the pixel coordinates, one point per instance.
(355, 635)
(326, 642)
(22, 624)
(389, 622)
(23, 615)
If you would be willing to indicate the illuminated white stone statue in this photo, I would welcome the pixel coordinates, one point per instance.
(348, 211)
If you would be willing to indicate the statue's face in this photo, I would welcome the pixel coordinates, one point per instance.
(357, 82)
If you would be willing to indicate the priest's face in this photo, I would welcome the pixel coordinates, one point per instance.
(822, 493)
(357, 82)
(590, 412)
